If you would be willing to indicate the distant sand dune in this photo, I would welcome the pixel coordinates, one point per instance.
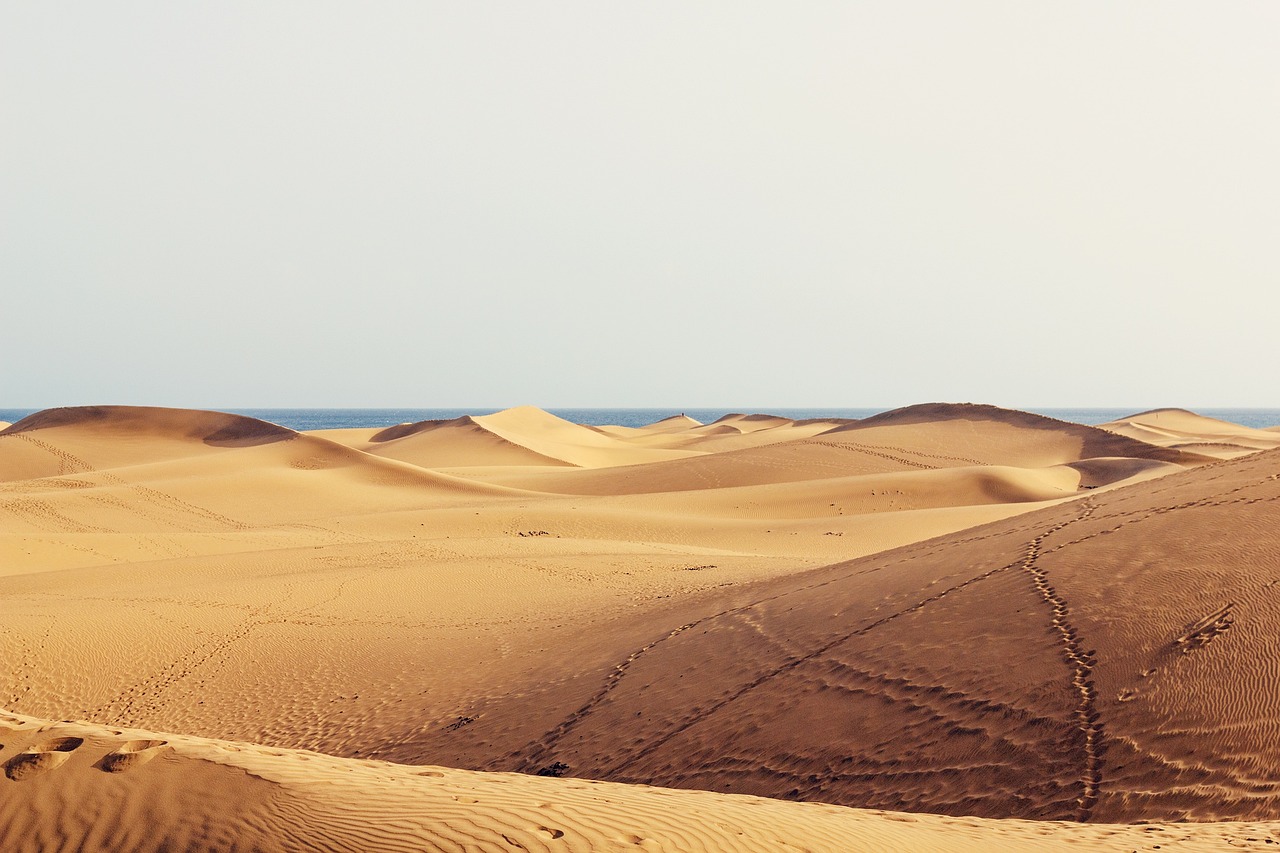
(1181, 429)
(460, 442)
(988, 434)
(520, 436)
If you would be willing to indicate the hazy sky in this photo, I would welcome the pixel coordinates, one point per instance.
(633, 204)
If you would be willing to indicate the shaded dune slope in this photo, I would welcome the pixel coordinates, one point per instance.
(1110, 659)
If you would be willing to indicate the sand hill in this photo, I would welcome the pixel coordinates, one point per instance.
(948, 609)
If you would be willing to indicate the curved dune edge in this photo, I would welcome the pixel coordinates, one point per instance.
(124, 789)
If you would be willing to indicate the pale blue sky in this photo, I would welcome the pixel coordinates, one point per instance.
(627, 204)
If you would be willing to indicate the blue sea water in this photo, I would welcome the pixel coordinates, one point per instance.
(307, 419)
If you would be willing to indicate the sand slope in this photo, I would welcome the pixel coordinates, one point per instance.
(1109, 660)
(85, 787)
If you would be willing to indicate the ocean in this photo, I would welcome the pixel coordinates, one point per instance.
(307, 419)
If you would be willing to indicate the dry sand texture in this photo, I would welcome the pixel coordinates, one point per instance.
(85, 786)
(950, 609)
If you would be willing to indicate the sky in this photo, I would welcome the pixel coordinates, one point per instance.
(614, 204)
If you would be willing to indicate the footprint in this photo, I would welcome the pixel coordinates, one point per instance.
(135, 753)
(41, 757)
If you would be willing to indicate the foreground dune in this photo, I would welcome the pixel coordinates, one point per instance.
(950, 609)
(1109, 659)
(86, 787)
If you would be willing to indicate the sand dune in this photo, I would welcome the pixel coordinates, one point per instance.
(461, 442)
(86, 787)
(1064, 631)
(520, 436)
(939, 433)
(1181, 429)
(46, 443)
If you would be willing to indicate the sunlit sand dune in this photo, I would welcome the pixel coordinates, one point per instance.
(1178, 428)
(461, 442)
(521, 436)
